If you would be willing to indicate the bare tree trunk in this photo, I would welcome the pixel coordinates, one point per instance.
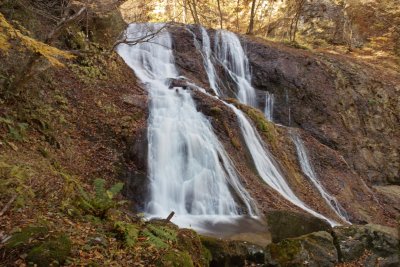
(252, 14)
(295, 21)
(237, 15)
(269, 10)
(193, 10)
(220, 14)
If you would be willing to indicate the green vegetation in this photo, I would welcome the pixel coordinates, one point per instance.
(101, 201)
(15, 183)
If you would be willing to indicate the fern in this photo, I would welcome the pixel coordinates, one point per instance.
(153, 240)
(163, 232)
(129, 232)
(99, 202)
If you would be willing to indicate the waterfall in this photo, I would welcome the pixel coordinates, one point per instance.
(190, 172)
(267, 168)
(269, 106)
(229, 52)
(308, 170)
(205, 51)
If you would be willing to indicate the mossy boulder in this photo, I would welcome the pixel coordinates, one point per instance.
(50, 253)
(176, 259)
(232, 253)
(287, 224)
(315, 249)
(381, 243)
(189, 240)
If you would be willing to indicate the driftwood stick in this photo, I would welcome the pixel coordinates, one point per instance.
(170, 216)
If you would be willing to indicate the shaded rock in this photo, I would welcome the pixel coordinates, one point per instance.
(286, 224)
(381, 242)
(232, 253)
(315, 249)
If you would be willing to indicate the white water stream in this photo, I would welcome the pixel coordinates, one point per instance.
(229, 52)
(269, 106)
(190, 173)
(308, 170)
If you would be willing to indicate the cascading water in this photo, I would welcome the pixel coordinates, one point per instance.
(230, 54)
(308, 170)
(269, 106)
(205, 51)
(267, 168)
(190, 173)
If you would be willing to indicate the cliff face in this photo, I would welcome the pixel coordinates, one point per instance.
(348, 105)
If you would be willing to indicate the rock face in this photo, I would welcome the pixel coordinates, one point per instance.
(345, 104)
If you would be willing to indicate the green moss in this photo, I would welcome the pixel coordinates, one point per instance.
(215, 111)
(285, 251)
(52, 252)
(189, 240)
(176, 259)
(262, 124)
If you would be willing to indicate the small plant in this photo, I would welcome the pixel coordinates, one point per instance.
(102, 200)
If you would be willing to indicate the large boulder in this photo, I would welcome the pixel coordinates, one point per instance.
(285, 224)
(315, 249)
(232, 253)
(373, 245)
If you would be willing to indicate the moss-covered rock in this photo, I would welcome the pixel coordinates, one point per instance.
(176, 259)
(315, 249)
(189, 240)
(50, 253)
(285, 224)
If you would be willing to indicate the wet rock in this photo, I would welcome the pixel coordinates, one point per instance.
(315, 249)
(380, 243)
(286, 224)
(233, 253)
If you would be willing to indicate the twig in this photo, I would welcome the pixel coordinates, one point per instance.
(8, 205)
